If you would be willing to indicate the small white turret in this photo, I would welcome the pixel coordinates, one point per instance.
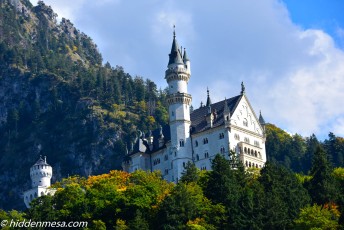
(40, 174)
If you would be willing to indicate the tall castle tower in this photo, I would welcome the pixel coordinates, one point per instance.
(40, 174)
(177, 76)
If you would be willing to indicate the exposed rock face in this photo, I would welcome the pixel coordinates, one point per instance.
(41, 109)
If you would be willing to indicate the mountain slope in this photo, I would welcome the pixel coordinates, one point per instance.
(58, 100)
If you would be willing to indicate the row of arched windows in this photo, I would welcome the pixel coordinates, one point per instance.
(206, 141)
(41, 173)
(252, 152)
(252, 165)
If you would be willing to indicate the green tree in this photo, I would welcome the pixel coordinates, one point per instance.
(186, 202)
(317, 217)
(190, 174)
(322, 186)
(284, 196)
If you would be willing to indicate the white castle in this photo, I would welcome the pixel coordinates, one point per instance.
(40, 173)
(198, 135)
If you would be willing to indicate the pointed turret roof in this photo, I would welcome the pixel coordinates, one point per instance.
(175, 55)
(261, 119)
(208, 98)
(41, 161)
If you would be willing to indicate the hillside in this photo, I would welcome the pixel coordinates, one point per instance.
(58, 99)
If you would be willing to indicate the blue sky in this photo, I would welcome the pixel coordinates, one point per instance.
(289, 54)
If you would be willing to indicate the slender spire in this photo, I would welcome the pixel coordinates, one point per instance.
(174, 31)
(175, 55)
(242, 88)
(226, 108)
(208, 98)
(261, 119)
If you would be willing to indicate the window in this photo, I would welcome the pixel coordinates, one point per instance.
(183, 164)
(205, 141)
(196, 143)
(222, 135)
(166, 171)
(206, 155)
(245, 123)
(166, 157)
(204, 168)
(256, 143)
(172, 114)
(181, 143)
(197, 157)
(222, 150)
(156, 161)
(247, 140)
(237, 137)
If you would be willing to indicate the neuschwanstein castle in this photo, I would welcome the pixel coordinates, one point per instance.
(198, 135)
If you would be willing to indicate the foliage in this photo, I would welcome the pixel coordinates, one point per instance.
(318, 217)
(322, 187)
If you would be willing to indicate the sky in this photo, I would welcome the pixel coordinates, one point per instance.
(289, 54)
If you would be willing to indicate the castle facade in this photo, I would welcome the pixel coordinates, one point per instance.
(198, 135)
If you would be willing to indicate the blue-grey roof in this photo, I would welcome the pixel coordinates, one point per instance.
(261, 119)
(41, 161)
(175, 55)
(198, 121)
(156, 135)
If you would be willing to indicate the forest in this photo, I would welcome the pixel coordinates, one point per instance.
(227, 197)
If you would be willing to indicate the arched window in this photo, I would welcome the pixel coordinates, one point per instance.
(245, 122)
(197, 157)
(206, 155)
(222, 150)
(205, 141)
(196, 143)
(245, 150)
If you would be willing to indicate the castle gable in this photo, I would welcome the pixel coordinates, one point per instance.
(244, 116)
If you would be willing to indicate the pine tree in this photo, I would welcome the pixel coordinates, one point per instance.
(322, 186)
(190, 173)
